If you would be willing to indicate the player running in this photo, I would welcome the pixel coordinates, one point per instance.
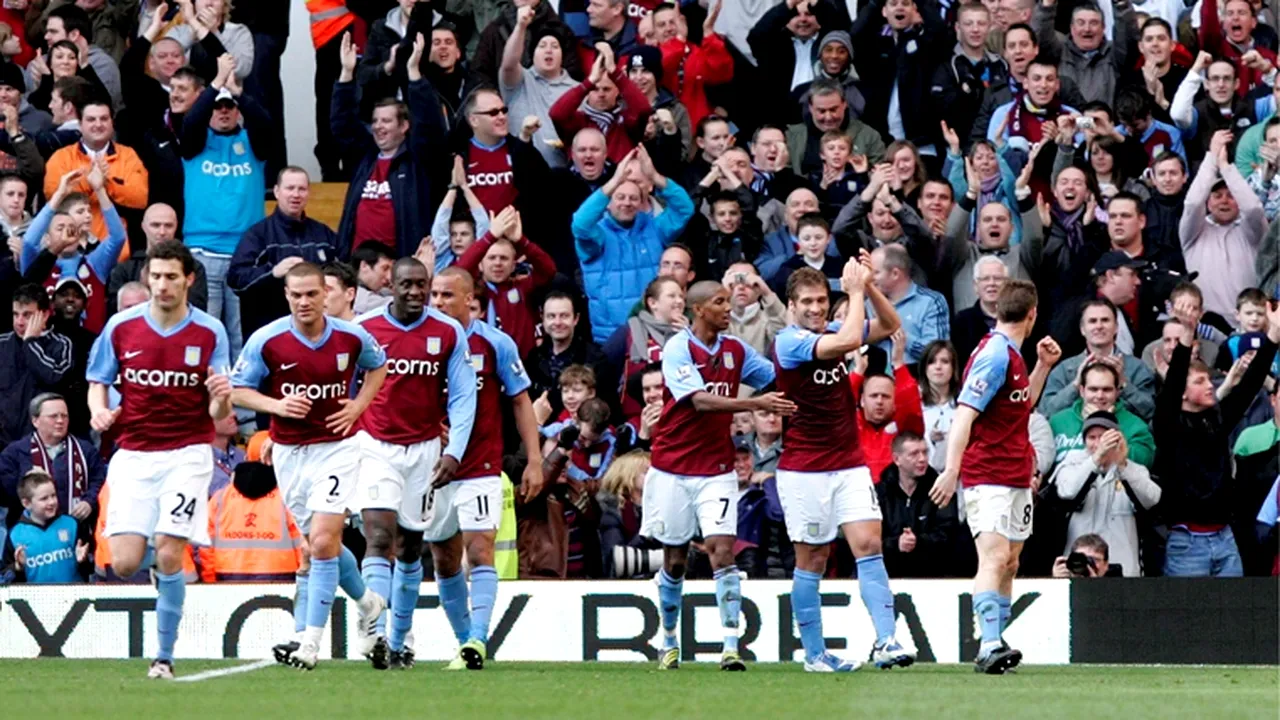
(465, 507)
(990, 451)
(399, 437)
(305, 362)
(170, 361)
(691, 484)
(823, 483)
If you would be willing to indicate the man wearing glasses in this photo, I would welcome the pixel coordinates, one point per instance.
(501, 169)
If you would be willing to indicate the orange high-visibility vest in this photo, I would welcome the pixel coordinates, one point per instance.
(328, 19)
(102, 549)
(250, 540)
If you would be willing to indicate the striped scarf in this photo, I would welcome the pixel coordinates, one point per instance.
(603, 119)
(77, 468)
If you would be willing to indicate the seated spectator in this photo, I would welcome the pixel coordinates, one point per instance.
(1094, 560)
(829, 112)
(272, 246)
(756, 315)
(764, 443)
(373, 262)
(971, 324)
(887, 406)
(208, 34)
(73, 464)
(625, 552)
(44, 547)
(608, 100)
(813, 235)
(1191, 428)
(227, 456)
(1099, 325)
(125, 177)
(453, 232)
(1099, 391)
(1256, 458)
(385, 200)
(924, 313)
(562, 345)
(1222, 245)
(492, 260)
(917, 533)
(640, 341)
(616, 241)
(273, 553)
(941, 373)
(159, 224)
(68, 221)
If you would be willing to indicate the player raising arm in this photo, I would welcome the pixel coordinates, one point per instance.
(989, 451)
(465, 508)
(823, 481)
(170, 361)
(400, 447)
(306, 363)
(691, 484)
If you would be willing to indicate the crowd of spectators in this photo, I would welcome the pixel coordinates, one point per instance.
(587, 160)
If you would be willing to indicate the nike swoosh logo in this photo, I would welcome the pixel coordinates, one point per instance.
(133, 354)
(164, 144)
(1017, 377)
(288, 366)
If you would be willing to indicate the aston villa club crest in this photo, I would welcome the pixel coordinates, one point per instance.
(433, 346)
(728, 361)
(344, 359)
(477, 362)
(64, 535)
(192, 356)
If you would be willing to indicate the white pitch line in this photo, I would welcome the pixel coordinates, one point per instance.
(222, 672)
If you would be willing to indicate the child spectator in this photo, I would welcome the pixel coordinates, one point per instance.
(492, 259)
(732, 237)
(1251, 318)
(814, 234)
(843, 174)
(43, 547)
(647, 388)
(453, 233)
(756, 314)
(577, 385)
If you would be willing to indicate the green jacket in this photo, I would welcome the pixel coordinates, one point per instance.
(1066, 425)
(866, 141)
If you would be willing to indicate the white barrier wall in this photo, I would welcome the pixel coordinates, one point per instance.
(533, 621)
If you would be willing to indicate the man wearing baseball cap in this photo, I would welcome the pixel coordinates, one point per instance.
(70, 296)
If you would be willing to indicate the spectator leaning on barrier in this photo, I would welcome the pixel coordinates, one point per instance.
(1191, 428)
(917, 533)
(1110, 480)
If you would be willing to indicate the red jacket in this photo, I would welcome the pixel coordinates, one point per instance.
(569, 118)
(510, 298)
(1213, 40)
(908, 416)
(688, 69)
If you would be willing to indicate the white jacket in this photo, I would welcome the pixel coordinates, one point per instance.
(1107, 510)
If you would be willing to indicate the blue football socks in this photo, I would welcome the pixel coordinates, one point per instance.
(173, 591)
(376, 574)
(670, 597)
(301, 581)
(873, 585)
(729, 600)
(484, 592)
(986, 607)
(405, 584)
(806, 607)
(1006, 612)
(321, 589)
(456, 603)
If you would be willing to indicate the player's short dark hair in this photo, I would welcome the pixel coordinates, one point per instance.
(707, 120)
(1251, 296)
(32, 479)
(71, 200)
(813, 219)
(303, 270)
(578, 375)
(371, 252)
(473, 97)
(1024, 27)
(402, 110)
(1099, 365)
(654, 288)
(32, 293)
(343, 273)
(594, 412)
(1016, 300)
(903, 438)
(1099, 302)
(1094, 542)
(173, 250)
(74, 19)
(1126, 195)
(188, 72)
(805, 277)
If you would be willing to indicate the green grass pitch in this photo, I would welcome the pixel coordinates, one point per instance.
(57, 688)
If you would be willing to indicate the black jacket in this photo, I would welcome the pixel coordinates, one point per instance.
(411, 168)
(959, 86)
(544, 366)
(713, 251)
(264, 244)
(1000, 93)
(968, 328)
(1193, 456)
(28, 368)
(771, 44)
(74, 386)
(1164, 212)
(571, 190)
(934, 527)
(915, 53)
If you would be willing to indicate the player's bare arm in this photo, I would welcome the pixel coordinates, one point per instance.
(773, 402)
(531, 481)
(290, 406)
(219, 387)
(1048, 354)
(848, 338)
(340, 423)
(101, 418)
(945, 486)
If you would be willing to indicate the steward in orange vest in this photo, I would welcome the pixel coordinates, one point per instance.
(252, 536)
